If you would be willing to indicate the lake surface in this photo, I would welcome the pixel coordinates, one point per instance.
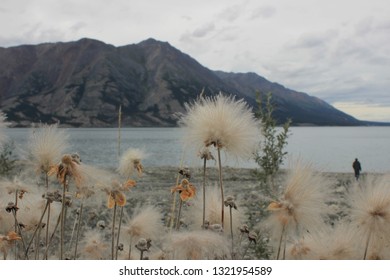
(326, 148)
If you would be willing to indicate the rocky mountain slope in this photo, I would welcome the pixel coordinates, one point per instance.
(84, 83)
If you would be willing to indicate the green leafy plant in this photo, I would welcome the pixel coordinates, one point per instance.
(7, 159)
(272, 152)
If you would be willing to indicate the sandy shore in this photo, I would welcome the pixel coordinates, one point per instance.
(242, 183)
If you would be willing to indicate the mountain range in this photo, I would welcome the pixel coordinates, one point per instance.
(83, 84)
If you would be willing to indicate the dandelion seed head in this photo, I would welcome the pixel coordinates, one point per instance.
(223, 122)
(370, 208)
(46, 145)
(302, 203)
(130, 162)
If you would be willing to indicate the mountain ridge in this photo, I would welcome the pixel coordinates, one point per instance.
(83, 83)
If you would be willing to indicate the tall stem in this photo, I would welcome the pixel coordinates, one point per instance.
(63, 205)
(178, 215)
(19, 231)
(113, 233)
(367, 243)
(231, 230)
(204, 192)
(78, 229)
(280, 241)
(52, 236)
(36, 229)
(119, 233)
(47, 225)
(119, 129)
(221, 187)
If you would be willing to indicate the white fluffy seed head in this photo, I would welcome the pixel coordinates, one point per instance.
(221, 121)
(47, 144)
(129, 161)
(370, 209)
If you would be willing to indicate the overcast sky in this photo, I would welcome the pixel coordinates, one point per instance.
(337, 50)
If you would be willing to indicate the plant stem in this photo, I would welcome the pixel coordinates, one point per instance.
(19, 230)
(63, 205)
(130, 241)
(119, 232)
(367, 243)
(52, 235)
(113, 233)
(204, 192)
(178, 215)
(47, 225)
(36, 229)
(231, 229)
(119, 129)
(78, 229)
(221, 187)
(280, 241)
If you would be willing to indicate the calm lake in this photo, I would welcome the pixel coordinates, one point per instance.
(326, 148)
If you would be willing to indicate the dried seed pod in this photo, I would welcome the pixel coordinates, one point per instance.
(185, 172)
(215, 227)
(244, 229)
(11, 207)
(252, 236)
(101, 224)
(143, 244)
(229, 202)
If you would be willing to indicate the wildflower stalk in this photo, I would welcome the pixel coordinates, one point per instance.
(47, 225)
(280, 241)
(78, 229)
(36, 229)
(119, 129)
(119, 232)
(179, 214)
(231, 230)
(204, 192)
(20, 232)
(63, 206)
(221, 187)
(367, 244)
(130, 241)
(173, 207)
(113, 233)
(52, 236)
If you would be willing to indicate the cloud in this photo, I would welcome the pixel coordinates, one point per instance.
(204, 30)
(365, 111)
(264, 12)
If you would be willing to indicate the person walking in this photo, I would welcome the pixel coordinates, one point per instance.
(357, 168)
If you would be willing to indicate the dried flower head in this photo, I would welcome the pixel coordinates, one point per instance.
(224, 122)
(185, 172)
(244, 229)
(252, 236)
(143, 244)
(230, 202)
(69, 167)
(46, 145)
(206, 154)
(130, 162)
(116, 197)
(12, 236)
(185, 189)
